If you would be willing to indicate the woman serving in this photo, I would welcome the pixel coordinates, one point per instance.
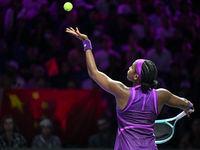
(137, 106)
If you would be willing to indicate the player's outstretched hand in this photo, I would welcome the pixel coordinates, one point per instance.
(77, 34)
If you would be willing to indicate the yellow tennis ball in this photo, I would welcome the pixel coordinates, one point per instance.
(68, 6)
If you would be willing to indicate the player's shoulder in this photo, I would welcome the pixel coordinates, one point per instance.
(163, 91)
(163, 94)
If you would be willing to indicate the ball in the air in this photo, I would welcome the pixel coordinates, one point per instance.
(68, 6)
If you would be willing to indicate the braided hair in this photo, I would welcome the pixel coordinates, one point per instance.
(148, 76)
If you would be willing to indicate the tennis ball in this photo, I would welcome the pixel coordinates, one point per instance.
(68, 6)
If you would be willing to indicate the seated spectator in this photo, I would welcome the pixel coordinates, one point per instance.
(104, 139)
(160, 55)
(9, 135)
(46, 139)
(11, 79)
(191, 140)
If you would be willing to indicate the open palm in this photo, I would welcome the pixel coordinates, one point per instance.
(77, 34)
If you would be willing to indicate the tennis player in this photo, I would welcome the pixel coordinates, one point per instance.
(137, 106)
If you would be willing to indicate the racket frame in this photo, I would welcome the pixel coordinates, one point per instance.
(166, 121)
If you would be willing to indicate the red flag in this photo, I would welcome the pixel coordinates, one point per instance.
(52, 67)
(73, 112)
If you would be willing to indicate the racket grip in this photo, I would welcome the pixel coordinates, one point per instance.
(182, 114)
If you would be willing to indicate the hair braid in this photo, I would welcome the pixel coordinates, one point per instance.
(148, 76)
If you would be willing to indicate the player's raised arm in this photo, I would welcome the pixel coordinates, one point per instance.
(166, 97)
(114, 87)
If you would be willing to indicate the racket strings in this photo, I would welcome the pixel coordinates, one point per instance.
(162, 131)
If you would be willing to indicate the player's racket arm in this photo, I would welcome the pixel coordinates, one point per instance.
(172, 100)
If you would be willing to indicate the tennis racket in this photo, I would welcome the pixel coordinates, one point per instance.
(163, 130)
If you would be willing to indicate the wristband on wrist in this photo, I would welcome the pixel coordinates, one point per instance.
(87, 45)
(190, 104)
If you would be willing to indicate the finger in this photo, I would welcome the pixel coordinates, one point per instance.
(67, 29)
(77, 30)
(188, 115)
(72, 32)
(72, 29)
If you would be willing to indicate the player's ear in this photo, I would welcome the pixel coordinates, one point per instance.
(136, 76)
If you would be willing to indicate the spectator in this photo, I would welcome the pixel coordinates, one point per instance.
(4, 55)
(104, 139)
(103, 5)
(135, 11)
(132, 51)
(114, 70)
(120, 31)
(61, 79)
(186, 58)
(26, 68)
(46, 139)
(42, 83)
(166, 31)
(124, 8)
(141, 28)
(155, 19)
(89, 24)
(70, 20)
(191, 140)
(174, 78)
(31, 7)
(11, 79)
(96, 36)
(174, 44)
(184, 19)
(102, 55)
(160, 55)
(9, 135)
(38, 72)
(12, 13)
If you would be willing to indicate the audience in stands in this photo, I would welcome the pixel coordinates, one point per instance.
(9, 135)
(191, 140)
(46, 139)
(104, 139)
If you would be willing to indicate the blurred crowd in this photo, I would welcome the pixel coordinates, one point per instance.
(36, 52)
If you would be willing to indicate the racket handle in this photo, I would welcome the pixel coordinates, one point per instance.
(182, 114)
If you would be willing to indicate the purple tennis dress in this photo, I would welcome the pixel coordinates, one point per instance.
(136, 121)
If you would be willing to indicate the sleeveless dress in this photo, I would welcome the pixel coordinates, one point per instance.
(136, 121)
